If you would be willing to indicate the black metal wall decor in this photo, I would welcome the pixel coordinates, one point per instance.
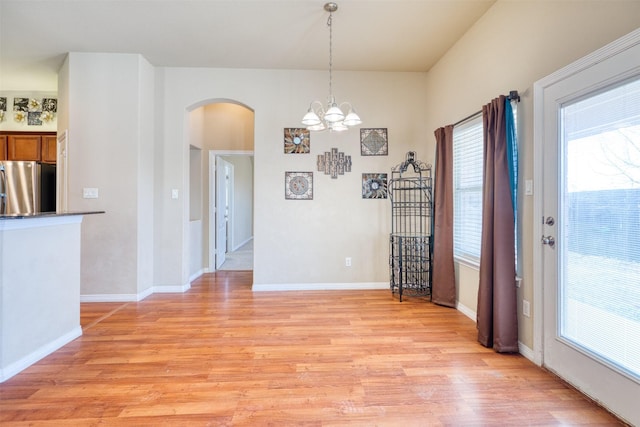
(411, 240)
(334, 163)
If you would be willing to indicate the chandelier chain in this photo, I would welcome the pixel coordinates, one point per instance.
(329, 22)
(330, 116)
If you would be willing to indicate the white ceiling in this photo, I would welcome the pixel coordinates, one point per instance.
(372, 35)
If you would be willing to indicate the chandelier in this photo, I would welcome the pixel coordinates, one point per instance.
(331, 116)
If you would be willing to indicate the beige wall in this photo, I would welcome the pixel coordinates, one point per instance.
(228, 126)
(143, 240)
(104, 103)
(514, 44)
(304, 242)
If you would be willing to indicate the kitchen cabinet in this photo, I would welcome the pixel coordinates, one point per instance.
(24, 147)
(49, 145)
(30, 146)
(3, 147)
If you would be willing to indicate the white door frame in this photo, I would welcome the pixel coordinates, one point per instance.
(221, 210)
(62, 171)
(588, 66)
(212, 199)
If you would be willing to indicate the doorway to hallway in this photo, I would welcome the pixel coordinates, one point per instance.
(231, 213)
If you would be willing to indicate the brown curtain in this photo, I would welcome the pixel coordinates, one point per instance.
(443, 290)
(497, 320)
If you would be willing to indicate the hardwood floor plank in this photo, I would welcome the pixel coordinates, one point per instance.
(223, 355)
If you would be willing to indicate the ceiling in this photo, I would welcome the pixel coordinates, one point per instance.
(369, 35)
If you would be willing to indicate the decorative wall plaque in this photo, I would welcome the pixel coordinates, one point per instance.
(374, 185)
(374, 142)
(298, 185)
(334, 163)
(297, 141)
(33, 111)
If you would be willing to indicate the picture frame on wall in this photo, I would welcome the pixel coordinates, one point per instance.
(374, 142)
(297, 141)
(298, 185)
(374, 185)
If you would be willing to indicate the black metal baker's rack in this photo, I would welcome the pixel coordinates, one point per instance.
(411, 239)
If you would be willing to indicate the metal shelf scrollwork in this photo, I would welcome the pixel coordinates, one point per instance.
(411, 239)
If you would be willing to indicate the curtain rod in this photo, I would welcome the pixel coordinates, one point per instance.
(513, 96)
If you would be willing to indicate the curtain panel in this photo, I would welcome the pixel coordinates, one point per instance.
(443, 290)
(497, 320)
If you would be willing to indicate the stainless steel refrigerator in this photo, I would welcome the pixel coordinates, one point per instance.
(27, 187)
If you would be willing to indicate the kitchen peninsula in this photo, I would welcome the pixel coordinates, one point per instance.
(39, 286)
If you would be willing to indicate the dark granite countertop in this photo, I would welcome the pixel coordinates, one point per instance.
(48, 214)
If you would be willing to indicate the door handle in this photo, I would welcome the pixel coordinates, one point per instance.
(548, 240)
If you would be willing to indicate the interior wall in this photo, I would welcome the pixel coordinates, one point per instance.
(318, 234)
(510, 47)
(145, 175)
(105, 98)
(228, 126)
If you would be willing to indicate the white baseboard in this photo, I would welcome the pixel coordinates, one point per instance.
(242, 243)
(195, 275)
(526, 351)
(471, 314)
(318, 286)
(110, 298)
(22, 364)
(135, 297)
(176, 289)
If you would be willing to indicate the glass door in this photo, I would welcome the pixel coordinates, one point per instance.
(590, 239)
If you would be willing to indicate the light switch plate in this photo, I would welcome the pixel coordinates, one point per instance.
(528, 187)
(89, 193)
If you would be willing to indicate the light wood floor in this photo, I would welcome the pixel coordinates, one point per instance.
(222, 355)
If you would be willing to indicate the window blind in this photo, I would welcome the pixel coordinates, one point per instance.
(467, 182)
(600, 226)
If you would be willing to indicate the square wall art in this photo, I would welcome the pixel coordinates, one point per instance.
(374, 142)
(298, 185)
(374, 185)
(297, 141)
(34, 111)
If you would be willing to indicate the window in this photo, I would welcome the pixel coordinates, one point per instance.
(467, 193)
(600, 256)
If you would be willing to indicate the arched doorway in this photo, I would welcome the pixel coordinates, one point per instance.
(220, 128)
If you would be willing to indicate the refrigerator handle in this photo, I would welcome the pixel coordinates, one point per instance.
(3, 190)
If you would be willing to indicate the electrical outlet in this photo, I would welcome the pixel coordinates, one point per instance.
(347, 262)
(526, 308)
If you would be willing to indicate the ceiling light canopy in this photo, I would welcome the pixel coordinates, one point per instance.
(320, 117)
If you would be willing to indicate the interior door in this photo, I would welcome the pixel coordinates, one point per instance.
(590, 225)
(221, 211)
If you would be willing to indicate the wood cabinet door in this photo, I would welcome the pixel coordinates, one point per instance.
(23, 147)
(49, 149)
(3, 147)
